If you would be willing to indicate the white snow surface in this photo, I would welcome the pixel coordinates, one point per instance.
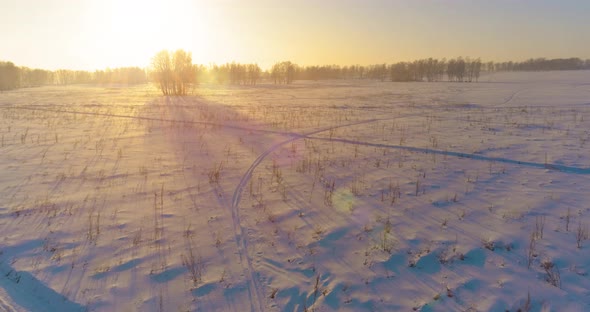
(345, 195)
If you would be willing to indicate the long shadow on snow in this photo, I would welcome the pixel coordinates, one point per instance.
(31, 294)
(181, 111)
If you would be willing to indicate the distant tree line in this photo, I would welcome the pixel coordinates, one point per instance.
(13, 77)
(420, 70)
(232, 73)
(175, 73)
(541, 64)
(431, 69)
(122, 75)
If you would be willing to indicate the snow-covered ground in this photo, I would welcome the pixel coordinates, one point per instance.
(317, 196)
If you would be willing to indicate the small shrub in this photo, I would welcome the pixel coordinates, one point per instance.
(553, 277)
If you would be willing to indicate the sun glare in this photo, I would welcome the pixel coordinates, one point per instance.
(136, 16)
(133, 31)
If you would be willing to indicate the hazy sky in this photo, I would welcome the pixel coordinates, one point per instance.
(89, 34)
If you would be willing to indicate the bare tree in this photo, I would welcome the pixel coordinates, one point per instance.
(64, 76)
(9, 76)
(162, 71)
(283, 72)
(253, 74)
(183, 71)
(173, 72)
(476, 68)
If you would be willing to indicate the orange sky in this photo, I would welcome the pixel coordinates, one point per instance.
(85, 34)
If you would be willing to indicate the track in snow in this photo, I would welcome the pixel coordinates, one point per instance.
(256, 303)
(557, 167)
(242, 241)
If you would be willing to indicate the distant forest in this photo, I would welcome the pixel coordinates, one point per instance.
(457, 69)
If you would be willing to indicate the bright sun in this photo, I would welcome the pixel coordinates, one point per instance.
(135, 30)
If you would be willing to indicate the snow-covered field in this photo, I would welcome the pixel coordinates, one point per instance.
(317, 196)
